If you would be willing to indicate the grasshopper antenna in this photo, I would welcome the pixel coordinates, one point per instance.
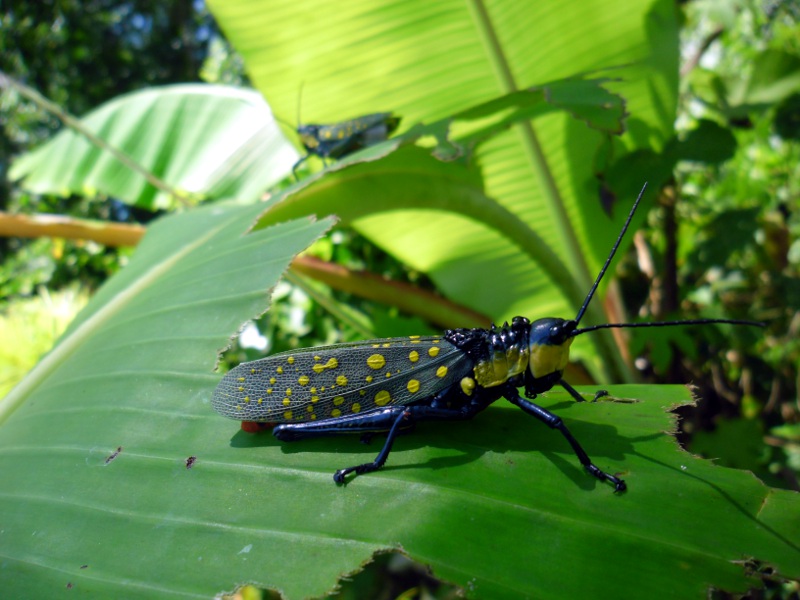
(283, 121)
(651, 324)
(299, 102)
(609, 259)
(667, 324)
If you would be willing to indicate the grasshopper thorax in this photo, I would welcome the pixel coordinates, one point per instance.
(548, 346)
(309, 136)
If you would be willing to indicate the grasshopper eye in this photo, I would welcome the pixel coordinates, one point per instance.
(561, 331)
(557, 336)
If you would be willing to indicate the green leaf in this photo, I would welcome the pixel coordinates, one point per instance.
(206, 140)
(133, 372)
(94, 447)
(770, 77)
(739, 443)
(787, 118)
(775, 75)
(708, 143)
(427, 62)
(361, 188)
(95, 463)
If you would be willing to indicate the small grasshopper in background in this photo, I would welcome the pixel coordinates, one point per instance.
(340, 139)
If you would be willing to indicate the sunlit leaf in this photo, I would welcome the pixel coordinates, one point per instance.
(207, 141)
(427, 62)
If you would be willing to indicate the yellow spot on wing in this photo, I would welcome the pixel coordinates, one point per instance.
(287, 415)
(413, 356)
(433, 351)
(413, 386)
(338, 400)
(341, 380)
(441, 371)
(356, 407)
(286, 402)
(376, 361)
(336, 412)
(303, 380)
(331, 364)
(279, 369)
(290, 360)
(382, 398)
(272, 380)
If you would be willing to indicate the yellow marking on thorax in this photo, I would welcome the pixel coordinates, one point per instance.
(546, 359)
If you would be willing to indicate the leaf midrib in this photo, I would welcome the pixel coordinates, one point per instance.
(42, 371)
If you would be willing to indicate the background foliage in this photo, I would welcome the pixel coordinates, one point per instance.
(722, 240)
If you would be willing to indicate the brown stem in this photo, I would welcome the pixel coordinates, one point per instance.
(406, 297)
